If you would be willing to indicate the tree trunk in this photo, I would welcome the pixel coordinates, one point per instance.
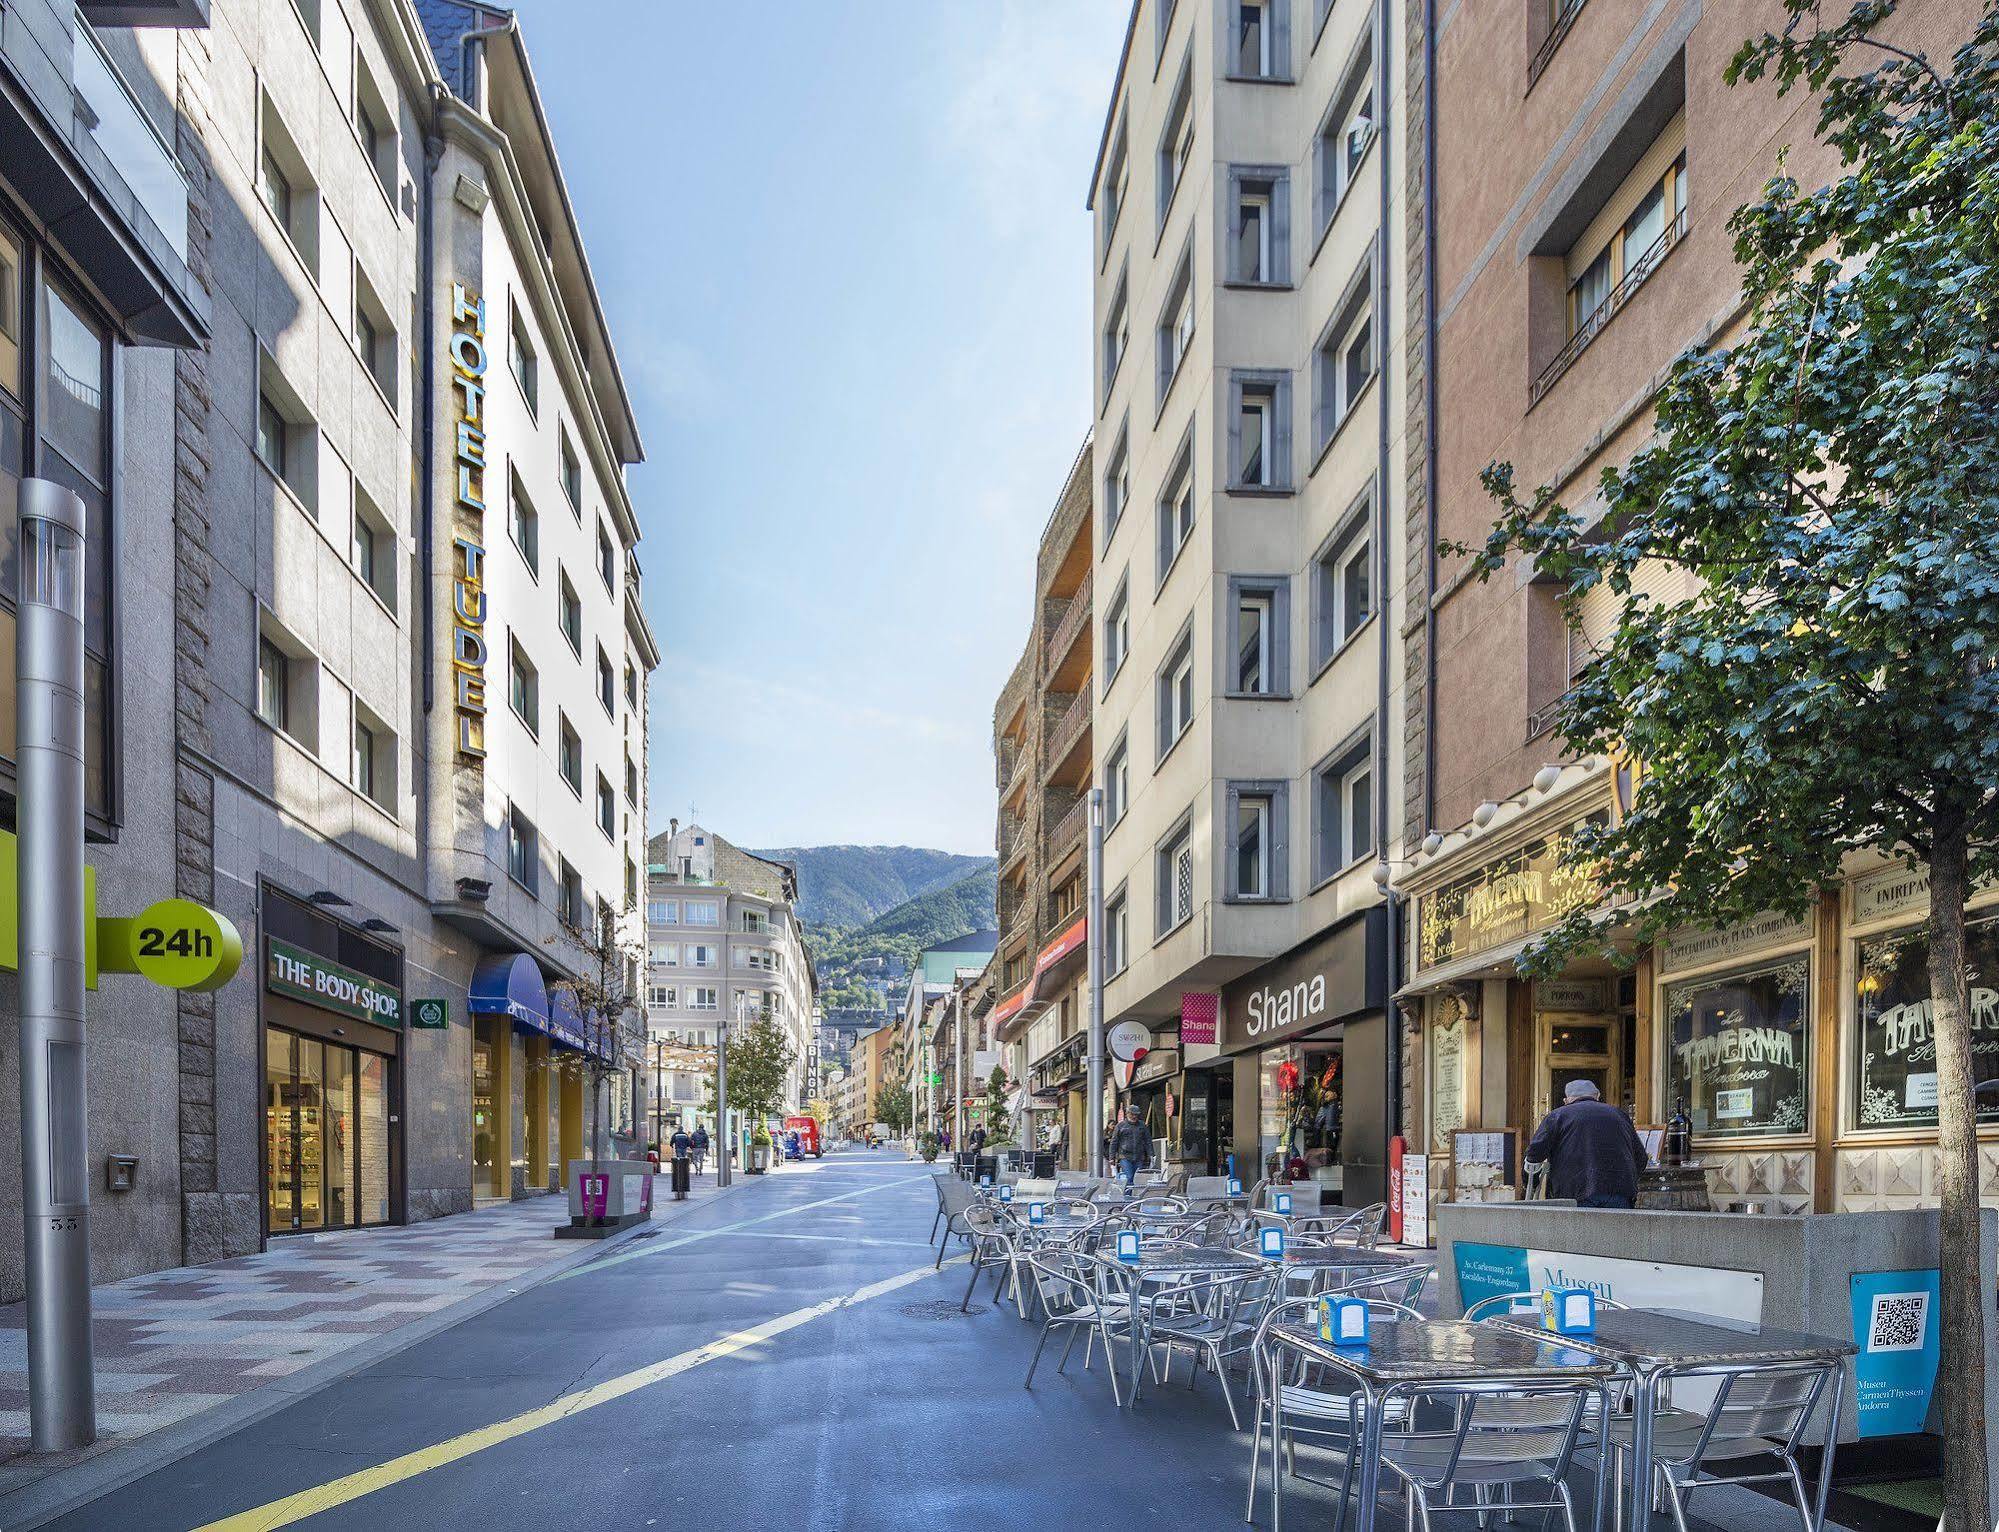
(1966, 1291)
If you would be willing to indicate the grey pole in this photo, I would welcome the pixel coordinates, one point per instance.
(55, 1176)
(1094, 1107)
(723, 1141)
(960, 1134)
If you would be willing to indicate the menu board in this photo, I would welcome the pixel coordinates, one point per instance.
(1896, 1083)
(1485, 1165)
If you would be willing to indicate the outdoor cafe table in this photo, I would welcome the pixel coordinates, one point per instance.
(1401, 1355)
(1644, 1343)
(1159, 1263)
(1342, 1259)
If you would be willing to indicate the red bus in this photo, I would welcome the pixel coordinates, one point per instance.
(807, 1129)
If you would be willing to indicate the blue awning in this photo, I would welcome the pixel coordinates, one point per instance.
(566, 1022)
(510, 984)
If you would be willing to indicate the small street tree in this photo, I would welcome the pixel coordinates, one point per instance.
(999, 1121)
(760, 1057)
(892, 1106)
(1831, 482)
(608, 965)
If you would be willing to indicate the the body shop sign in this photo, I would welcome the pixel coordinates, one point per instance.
(1519, 894)
(313, 980)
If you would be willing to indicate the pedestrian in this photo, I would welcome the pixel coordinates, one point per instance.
(979, 1139)
(944, 1139)
(1592, 1151)
(699, 1144)
(682, 1142)
(1131, 1147)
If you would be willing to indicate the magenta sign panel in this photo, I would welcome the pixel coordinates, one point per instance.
(596, 1195)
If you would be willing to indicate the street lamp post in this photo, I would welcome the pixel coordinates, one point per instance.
(1094, 1109)
(959, 1134)
(723, 1142)
(55, 1176)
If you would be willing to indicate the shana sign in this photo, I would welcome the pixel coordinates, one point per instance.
(1337, 975)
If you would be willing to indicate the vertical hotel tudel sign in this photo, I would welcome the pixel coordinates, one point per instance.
(468, 586)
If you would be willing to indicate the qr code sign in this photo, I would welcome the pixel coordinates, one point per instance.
(1899, 1321)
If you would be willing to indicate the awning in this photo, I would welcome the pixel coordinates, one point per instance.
(1495, 962)
(509, 984)
(567, 1024)
(1060, 957)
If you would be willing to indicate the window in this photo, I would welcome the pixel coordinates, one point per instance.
(702, 998)
(374, 759)
(1176, 693)
(703, 914)
(666, 954)
(1259, 225)
(524, 523)
(1117, 483)
(286, 439)
(374, 120)
(1116, 183)
(286, 189)
(1259, 636)
(1176, 325)
(607, 685)
(375, 336)
(1345, 134)
(1176, 510)
(1176, 143)
(1117, 945)
(569, 611)
(569, 753)
(668, 912)
(274, 703)
(523, 851)
(571, 471)
(1117, 782)
(1737, 1048)
(523, 686)
(1258, 859)
(1259, 430)
(1342, 577)
(607, 807)
(1117, 334)
(631, 684)
(308, 15)
(569, 907)
(631, 782)
(374, 548)
(1601, 277)
(1173, 873)
(1117, 633)
(607, 560)
(273, 440)
(1895, 1072)
(1344, 807)
(521, 358)
(1344, 360)
(1162, 29)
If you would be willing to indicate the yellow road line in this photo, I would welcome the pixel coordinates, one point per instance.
(309, 1502)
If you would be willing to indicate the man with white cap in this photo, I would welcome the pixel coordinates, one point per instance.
(1592, 1151)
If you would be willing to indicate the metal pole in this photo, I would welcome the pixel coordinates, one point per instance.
(724, 1143)
(55, 1176)
(1094, 1107)
(960, 1137)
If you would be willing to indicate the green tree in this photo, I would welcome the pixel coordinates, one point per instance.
(760, 1057)
(892, 1106)
(999, 1121)
(1832, 480)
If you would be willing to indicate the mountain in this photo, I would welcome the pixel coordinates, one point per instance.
(852, 885)
(861, 967)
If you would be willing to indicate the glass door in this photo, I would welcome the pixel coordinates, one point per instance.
(280, 1135)
(485, 1134)
(1578, 1047)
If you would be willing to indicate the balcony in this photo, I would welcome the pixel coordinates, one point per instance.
(1012, 842)
(1067, 765)
(110, 114)
(1068, 832)
(1074, 623)
(1590, 326)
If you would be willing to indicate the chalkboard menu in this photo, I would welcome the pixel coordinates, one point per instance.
(1736, 1050)
(1896, 1083)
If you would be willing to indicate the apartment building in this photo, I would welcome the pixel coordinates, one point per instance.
(1249, 309)
(1043, 754)
(724, 947)
(927, 995)
(1568, 274)
(874, 1064)
(333, 210)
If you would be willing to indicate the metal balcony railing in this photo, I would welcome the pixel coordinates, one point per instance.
(1558, 29)
(1591, 325)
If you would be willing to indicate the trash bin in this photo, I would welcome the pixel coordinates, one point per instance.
(682, 1177)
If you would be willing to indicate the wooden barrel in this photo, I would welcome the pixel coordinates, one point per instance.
(1674, 1189)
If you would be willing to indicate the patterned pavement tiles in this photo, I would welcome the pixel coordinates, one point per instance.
(171, 1344)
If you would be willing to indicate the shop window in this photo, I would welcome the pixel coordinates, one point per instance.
(1173, 873)
(1259, 636)
(1258, 849)
(1895, 1073)
(1738, 1049)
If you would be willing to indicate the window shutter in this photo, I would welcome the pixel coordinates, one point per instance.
(1280, 230)
(1280, 841)
(1235, 429)
(1280, 643)
(1280, 435)
(1231, 883)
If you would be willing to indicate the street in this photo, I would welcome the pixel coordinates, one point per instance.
(783, 1357)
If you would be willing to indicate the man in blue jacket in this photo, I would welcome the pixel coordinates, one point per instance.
(1592, 1151)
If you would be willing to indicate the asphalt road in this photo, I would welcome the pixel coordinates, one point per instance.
(782, 1358)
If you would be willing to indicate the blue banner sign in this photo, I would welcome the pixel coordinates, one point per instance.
(1896, 1325)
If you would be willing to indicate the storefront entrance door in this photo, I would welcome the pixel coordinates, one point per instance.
(326, 1135)
(1577, 1047)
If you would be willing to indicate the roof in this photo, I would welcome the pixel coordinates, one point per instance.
(1110, 111)
(939, 964)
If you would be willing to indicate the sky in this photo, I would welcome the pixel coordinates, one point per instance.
(844, 251)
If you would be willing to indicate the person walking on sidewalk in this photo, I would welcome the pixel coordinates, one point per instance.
(1131, 1147)
(681, 1143)
(1592, 1152)
(699, 1144)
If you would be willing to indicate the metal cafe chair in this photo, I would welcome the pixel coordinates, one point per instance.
(1401, 1284)
(1072, 1293)
(992, 1245)
(1759, 1411)
(955, 1198)
(1209, 1324)
(1309, 1403)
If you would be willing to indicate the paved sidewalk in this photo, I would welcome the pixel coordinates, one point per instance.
(174, 1346)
